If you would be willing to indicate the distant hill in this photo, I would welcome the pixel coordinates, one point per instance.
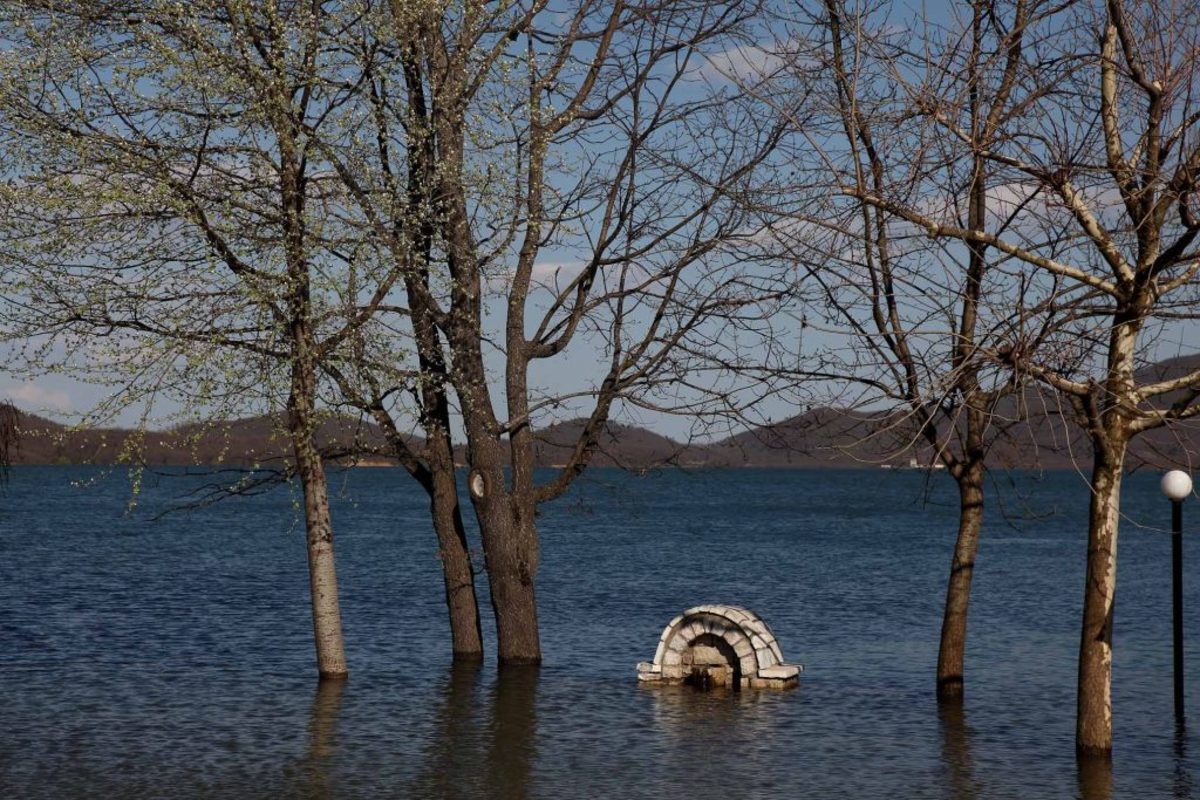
(1029, 431)
(241, 442)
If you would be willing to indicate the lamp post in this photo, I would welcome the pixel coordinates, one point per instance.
(1177, 485)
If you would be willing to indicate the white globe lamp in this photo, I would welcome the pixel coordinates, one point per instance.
(1177, 485)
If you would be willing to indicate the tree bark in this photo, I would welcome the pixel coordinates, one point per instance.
(437, 477)
(510, 546)
(322, 574)
(958, 589)
(1093, 726)
(458, 574)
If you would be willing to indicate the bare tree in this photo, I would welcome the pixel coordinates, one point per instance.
(1102, 163)
(910, 319)
(348, 200)
(577, 167)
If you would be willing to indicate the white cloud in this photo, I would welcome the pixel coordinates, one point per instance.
(750, 64)
(548, 273)
(37, 398)
(545, 274)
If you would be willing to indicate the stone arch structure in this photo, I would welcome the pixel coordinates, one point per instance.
(719, 645)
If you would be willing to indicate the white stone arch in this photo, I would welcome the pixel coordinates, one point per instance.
(759, 658)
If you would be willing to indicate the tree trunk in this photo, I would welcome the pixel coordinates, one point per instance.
(1093, 726)
(510, 548)
(458, 573)
(322, 575)
(958, 588)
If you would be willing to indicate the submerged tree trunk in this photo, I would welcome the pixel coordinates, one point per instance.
(436, 476)
(958, 589)
(322, 574)
(327, 615)
(510, 548)
(512, 565)
(458, 574)
(1093, 726)
(1108, 414)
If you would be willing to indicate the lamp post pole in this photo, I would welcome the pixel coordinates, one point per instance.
(1177, 485)
(1177, 598)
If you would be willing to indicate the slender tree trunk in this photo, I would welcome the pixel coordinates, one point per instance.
(1093, 726)
(458, 574)
(9, 434)
(958, 588)
(437, 478)
(322, 574)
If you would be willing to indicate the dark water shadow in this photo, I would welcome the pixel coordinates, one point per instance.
(484, 738)
(959, 769)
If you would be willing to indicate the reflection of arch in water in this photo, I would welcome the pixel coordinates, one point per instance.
(681, 714)
(719, 645)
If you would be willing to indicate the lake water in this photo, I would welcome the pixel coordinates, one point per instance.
(173, 658)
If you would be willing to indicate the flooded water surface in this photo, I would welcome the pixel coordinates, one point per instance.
(173, 657)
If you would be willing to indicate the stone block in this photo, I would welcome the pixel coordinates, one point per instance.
(765, 657)
(780, 671)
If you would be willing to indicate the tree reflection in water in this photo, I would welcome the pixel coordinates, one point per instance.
(1183, 773)
(478, 751)
(322, 739)
(513, 729)
(1095, 778)
(956, 751)
(692, 714)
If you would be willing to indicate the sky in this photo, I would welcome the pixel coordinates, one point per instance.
(64, 398)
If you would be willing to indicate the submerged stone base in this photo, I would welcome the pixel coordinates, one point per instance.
(713, 646)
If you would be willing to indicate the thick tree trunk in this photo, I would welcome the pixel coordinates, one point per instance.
(958, 588)
(511, 550)
(322, 574)
(458, 574)
(506, 518)
(1093, 727)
